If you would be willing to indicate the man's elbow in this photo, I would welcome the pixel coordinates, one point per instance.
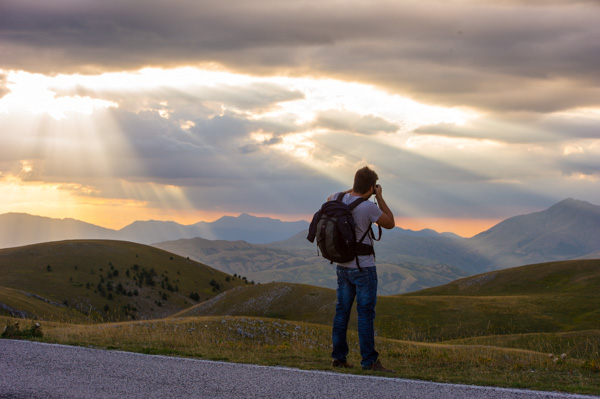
(389, 226)
(386, 222)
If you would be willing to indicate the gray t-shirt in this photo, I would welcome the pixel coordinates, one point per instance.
(364, 215)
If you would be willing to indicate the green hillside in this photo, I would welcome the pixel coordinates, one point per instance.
(580, 277)
(550, 297)
(99, 280)
(562, 298)
(288, 301)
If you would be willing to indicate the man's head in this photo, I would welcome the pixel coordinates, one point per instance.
(364, 179)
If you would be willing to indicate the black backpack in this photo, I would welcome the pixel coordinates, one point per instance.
(333, 227)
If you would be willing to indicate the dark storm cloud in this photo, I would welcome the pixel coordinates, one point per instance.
(500, 55)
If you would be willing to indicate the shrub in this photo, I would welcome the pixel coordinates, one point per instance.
(100, 289)
(195, 296)
(216, 286)
(14, 332)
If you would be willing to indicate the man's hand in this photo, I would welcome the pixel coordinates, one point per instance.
(386, 220)
(378, 191)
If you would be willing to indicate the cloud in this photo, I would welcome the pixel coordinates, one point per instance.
(352, 122)
(466, 109)
(493, 56)
(3, 89)
(543, 129)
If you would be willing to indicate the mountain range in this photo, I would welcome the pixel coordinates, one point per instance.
(265, 249)
(409, 261)
(17, 229)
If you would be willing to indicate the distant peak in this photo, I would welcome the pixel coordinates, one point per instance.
(571, 202)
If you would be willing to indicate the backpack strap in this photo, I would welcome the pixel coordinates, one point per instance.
(373, 234)
(353, 204)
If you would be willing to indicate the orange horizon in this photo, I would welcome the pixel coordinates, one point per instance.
(117, 219)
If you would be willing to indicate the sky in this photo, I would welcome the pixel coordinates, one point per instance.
(470, 111)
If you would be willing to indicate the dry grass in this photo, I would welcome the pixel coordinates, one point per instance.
(307, 346)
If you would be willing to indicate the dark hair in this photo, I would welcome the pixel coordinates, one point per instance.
(364, 179)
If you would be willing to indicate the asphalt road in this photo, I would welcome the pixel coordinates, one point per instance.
(35, 370)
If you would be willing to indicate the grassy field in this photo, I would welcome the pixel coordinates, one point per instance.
(268, 341)
(531, 327)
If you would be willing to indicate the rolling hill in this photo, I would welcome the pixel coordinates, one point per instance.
(96, 280)
(541, 298)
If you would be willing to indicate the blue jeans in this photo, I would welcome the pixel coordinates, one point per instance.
(362, 285)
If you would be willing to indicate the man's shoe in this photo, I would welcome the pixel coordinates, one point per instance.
(343, 364)
(378, 367)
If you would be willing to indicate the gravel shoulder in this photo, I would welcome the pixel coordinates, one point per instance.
(38, 370)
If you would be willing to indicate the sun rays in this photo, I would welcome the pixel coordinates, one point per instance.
(189, 144)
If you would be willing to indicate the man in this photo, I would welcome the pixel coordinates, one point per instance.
(360, 282)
